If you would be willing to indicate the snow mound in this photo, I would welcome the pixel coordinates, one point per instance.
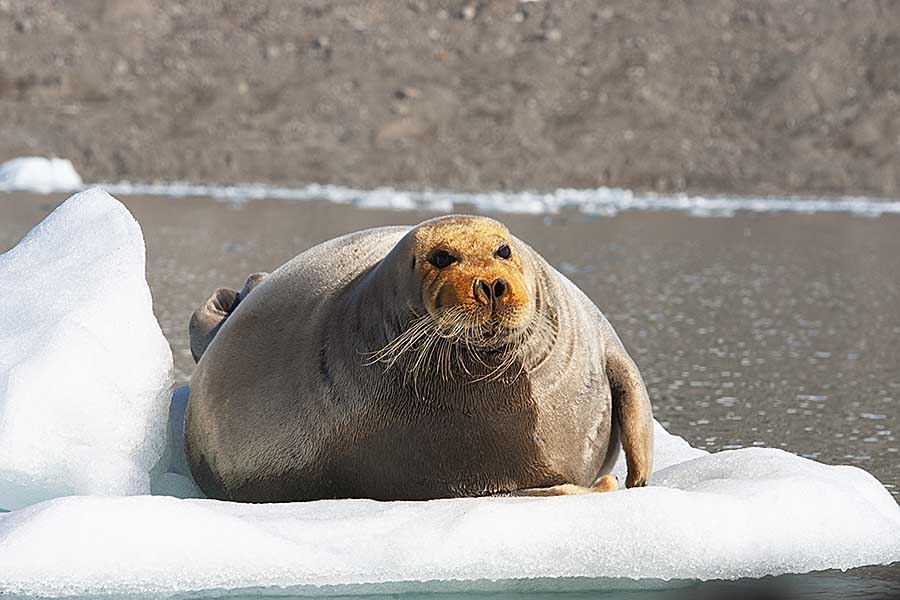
(38, 174)
(85, 372)
(740, 513)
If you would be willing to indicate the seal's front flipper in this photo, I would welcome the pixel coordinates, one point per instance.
(208, 319)
(632, 412)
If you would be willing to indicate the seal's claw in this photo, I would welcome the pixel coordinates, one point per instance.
(634, 481)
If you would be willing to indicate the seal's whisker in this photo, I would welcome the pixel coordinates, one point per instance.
(403, 342)
(451, 339)
(424, 352)
(444, 359)
(393, 347)
(509, 358)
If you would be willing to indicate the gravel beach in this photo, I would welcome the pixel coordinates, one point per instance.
(765, 97)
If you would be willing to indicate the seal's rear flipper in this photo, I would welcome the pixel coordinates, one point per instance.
(206, 320)
(607, 483)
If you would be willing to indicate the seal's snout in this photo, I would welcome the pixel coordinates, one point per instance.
(478, 292)
(489, 293)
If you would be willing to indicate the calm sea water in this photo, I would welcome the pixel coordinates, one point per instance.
(821, 586)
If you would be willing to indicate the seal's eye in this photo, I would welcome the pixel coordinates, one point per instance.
(503, 251)
(442, 259)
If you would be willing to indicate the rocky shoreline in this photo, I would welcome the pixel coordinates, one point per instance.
(768, 97)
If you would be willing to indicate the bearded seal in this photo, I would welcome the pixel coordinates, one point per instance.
(443, 360)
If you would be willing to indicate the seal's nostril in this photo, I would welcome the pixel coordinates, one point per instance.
(499, 288)
(482, 291)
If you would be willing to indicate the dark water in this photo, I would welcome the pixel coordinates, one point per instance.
(820, 586)
(857, 584)
(756, 330)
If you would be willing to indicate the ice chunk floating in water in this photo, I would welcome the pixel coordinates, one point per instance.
(741, 513)
(38, 174)
(85, 372)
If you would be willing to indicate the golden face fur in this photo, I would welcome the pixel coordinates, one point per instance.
(472, 269)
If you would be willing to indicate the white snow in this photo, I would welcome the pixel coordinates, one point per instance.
(38, 174)
(85, 372)
(739, 513)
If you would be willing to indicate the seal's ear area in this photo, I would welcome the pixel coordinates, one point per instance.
(208, 319)
(632, 412)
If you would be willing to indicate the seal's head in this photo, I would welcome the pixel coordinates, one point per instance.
(470, 302)
(472, 271)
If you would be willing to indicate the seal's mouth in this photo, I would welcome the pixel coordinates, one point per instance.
(479, 327)
(454, 341)
(457, 342)
(493, 335)
(487, 321)
(491, 329)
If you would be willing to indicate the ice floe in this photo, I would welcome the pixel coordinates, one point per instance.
(39, 174)
(739, 513)
(85, 372)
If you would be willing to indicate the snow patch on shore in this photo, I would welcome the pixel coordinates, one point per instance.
(39, 175)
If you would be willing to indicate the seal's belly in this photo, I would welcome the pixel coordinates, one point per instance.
(460, 455)
(474, 447)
